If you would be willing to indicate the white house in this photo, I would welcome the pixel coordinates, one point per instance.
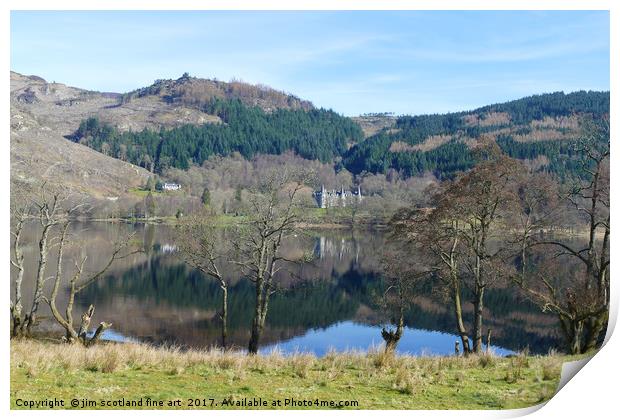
(170, 186)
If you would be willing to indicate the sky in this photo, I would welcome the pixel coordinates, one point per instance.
(354, 62)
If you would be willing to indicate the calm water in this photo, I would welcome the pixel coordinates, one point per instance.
(350, 335)
(326, 304)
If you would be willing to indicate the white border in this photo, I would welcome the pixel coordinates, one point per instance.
(593, 394)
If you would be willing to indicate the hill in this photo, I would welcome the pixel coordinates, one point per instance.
(196, 92)
(242, 118)
(119, 140)
(44, 115)
(540, 129)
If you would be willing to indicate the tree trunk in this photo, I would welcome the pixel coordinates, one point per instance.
(100, 329)
(392, 337)
(478, 308)
(255, 336)
(575, 344)
(260, 316)
(67, 324)
(224, 314)
(256, 322)
(480, 281)
(576, 329)
(458, 314)
(71, 335)
(596, 325)
(86, 317)
(38, 294)
(16, 330)
(253, 345)
(16, 308)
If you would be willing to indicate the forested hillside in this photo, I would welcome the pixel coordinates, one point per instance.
(541, 127)
(314, 134)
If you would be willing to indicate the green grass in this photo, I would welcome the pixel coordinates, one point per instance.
(134, 371)
(225, 220)
(141, 192)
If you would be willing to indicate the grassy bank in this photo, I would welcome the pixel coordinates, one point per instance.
(309, 217)
(134, 372)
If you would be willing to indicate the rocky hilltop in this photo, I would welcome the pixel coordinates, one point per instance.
(195, 92)
(44, 115)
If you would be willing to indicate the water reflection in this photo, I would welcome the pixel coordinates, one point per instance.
(327, 303)
(349, 335)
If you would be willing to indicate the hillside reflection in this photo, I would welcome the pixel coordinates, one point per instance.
(155, 297)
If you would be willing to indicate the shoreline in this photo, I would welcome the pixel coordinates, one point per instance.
(173, 221)
(362, 224)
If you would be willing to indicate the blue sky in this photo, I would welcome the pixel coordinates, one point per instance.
(407, 62)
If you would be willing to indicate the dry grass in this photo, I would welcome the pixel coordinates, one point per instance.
(551, 366)
(518, 364)
(487, 359)
(111, 357)
(38, 356)
(377, 379)
(407, 381)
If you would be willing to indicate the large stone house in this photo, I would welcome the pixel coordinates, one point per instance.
(337, 198)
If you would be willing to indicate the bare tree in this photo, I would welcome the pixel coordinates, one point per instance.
(44, 206)
(459, 235)
(435, 237)
(20, 214)
(49, 215)
(581, 301)
(478, 197)
(76, 284)
(273, 207)
(53, 211)
(202, 248)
